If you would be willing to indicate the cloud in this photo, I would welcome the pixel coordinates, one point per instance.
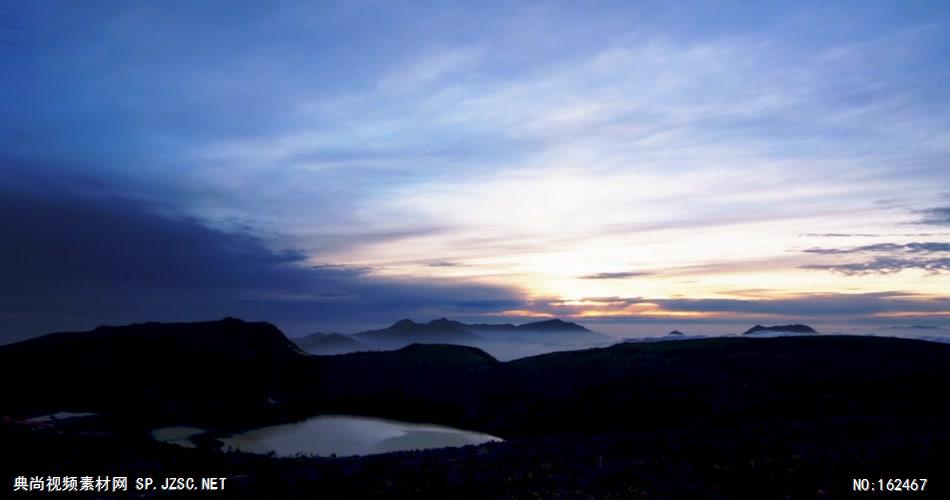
(71, 261)
(887, 258)
(838, 235)
(885, 265)
(614, 276)
(870, 235)
(820, 304)
(824, 305)
(444, 263)
(924, 247)
(432, 68)
(528, 147)
(698, 136)
(938, 216)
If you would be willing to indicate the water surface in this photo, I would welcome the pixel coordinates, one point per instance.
(62, 415)
(343, 435)
(177, 435)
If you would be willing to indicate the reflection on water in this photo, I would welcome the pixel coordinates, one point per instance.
(346, 435)
(55, 417)
(177, 435)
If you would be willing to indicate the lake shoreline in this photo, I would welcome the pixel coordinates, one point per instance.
(329, 435)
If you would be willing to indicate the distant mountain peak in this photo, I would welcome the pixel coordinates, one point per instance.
(330, 343)
(553, 324)
(443, 321)
(406, 331)
(225, 338)
(404, 323)
(505, 340)
(675, 332)
(437, 324)
(447, 353)
(795, 328)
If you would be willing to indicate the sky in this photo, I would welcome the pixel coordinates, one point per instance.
(337, 166)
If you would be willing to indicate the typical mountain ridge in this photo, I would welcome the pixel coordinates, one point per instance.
(729, 409)
(232, 373)
(796, 328)
(504, 341)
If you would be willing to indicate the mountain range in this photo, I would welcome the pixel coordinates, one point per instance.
(201, 368)
(330, 343)
(796, 329)
(231, 371)
(731, 414)
(503, 341)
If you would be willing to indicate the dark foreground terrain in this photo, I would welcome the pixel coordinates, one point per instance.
(775, 460)
(790, 417)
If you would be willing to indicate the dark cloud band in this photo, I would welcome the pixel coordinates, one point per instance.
(72, 261)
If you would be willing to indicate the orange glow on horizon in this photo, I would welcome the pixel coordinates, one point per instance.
(912, 314)
(523, 313)
(649, 313)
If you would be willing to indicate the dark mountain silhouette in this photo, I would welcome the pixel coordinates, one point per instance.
(539, 331)
(229, 336)
(159, 368)
(553, 325)
(447, 323)
(807, 404)
(198, 370)
(487, 327)
(675, 332)
(796, 328)
(330, 343)
(405, 332)
(505, 341)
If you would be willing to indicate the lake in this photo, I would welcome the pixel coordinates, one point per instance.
(177, 435)
(339, 435)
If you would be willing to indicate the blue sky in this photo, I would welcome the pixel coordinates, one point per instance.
(610, 162)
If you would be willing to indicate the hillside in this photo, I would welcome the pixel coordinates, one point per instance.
(405, 332)
(195, 369)
(504, 341)
(330, 343)
(646, 385)
(781, 329)
(739, 415)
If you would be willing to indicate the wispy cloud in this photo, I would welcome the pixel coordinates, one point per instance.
(614, 276)
(839, 235)
(520, 152)
(432, 68)
(824, 305)
(886, 265)
(939, 216)
(920, 247)
(888, 258)
(81, 261)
